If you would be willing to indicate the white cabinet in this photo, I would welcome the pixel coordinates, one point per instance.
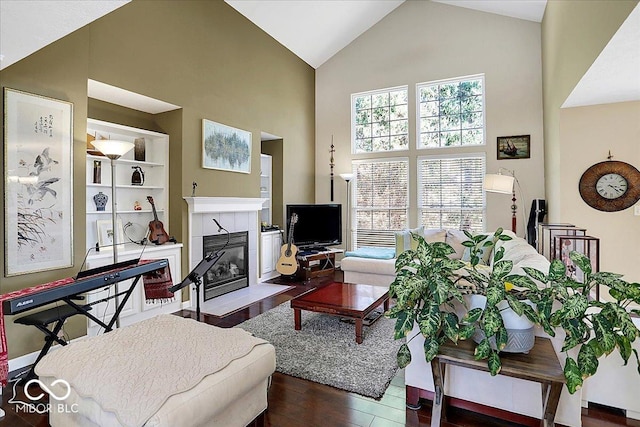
(270, 244)
(136, 308)
(266, 185)
(155, 168)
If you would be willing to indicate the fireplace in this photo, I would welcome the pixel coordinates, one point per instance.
(230, 273)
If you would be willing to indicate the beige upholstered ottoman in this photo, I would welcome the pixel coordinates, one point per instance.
(165, 371)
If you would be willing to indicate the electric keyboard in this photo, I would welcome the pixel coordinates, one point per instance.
(85, 281)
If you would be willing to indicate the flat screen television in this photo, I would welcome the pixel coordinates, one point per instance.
(318, 226)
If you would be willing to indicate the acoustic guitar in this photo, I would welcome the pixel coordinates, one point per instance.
(287, 264)
(156, 229)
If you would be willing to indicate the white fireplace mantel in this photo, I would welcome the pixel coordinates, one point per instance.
(237, 214)
(224, 204)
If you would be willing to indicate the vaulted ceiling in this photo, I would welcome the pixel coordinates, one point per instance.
(315, 30)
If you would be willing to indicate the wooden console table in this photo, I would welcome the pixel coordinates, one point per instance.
(317, 265)
(540, 365)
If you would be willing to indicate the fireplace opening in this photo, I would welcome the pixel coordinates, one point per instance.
(230, 273)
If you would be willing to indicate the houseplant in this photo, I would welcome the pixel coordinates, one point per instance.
(429, 289)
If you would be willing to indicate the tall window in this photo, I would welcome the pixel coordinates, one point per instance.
(450, 191)
(381, 201)
(380, 120)
(451, 113)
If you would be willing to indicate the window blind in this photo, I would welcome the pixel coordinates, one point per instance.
(381, 201)
(450, 193)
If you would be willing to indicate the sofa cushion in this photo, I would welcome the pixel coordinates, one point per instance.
(367, 265)
(374, 252)
(433, 235)
(455, 238)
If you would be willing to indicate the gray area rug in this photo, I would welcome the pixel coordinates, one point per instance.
(325, 350)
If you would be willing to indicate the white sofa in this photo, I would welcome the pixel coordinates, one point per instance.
(504, 393)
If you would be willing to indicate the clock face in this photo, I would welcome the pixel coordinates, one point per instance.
(611, 186)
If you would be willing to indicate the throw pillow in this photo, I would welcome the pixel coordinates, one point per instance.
(404, 241)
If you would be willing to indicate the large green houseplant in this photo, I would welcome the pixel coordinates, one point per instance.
(429, 292)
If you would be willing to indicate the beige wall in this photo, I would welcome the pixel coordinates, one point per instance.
(200, 55)
(424, 41)
(587, 135)
(573, 35)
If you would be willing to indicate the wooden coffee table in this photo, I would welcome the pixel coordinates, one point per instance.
(353, 301)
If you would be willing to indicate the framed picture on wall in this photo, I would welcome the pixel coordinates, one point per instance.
(514, 147)
(38, 182)
(225, 148)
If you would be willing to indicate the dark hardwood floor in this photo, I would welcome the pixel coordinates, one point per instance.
(295, 402)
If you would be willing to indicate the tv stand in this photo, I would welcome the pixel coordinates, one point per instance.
(318, 264)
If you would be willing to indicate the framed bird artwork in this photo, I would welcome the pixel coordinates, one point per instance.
(38, 144)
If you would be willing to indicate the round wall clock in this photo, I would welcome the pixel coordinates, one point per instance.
(610, 186)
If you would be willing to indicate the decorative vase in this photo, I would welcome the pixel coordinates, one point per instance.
(520, 330)
(100, 200)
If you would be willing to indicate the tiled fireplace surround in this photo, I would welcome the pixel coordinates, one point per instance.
(234, 214)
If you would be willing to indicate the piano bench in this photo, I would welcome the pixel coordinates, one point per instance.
(42, 320)
(46, 317)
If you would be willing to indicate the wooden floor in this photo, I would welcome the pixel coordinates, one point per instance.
(295, 402)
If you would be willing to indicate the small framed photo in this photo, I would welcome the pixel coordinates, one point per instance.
(514, 147)
(105, 234)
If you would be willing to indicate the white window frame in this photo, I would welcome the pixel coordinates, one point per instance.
(354, 124)
(353, 204)
(454, 155)
(446, 81)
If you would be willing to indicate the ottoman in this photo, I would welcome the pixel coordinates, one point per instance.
(165, 371)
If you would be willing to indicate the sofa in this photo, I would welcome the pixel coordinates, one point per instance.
(478, 388)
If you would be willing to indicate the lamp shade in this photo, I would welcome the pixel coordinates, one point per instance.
(496, 183)
(346, 176)
(112, 148)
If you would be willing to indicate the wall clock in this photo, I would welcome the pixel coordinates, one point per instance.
(610, 186)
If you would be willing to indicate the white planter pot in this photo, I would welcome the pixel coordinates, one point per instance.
(520, 329)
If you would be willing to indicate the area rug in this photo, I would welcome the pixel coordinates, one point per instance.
(236, 300)
(325, 350)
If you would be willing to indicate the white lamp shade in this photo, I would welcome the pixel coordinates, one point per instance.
(495, 183)
(112, 148)
(346, 176)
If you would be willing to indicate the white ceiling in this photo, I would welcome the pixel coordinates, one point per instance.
(615, 75)
(315, 30)
(27, 26)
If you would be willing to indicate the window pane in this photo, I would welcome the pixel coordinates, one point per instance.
(429, 93)
(449, 139)
(398, 97)
(429, 109)
(431, 139)
(378, 116)
(399, 112)
(399, 142)
(363, 102)
(458, 105)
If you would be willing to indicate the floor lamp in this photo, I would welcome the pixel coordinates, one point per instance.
(503, 184)
(348, 177)
(113, 149)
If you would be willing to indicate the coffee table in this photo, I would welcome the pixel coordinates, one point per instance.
(349, 300)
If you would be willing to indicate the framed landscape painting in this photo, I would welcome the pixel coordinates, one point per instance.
(225, 148)
(514, 147)
(38, 173)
